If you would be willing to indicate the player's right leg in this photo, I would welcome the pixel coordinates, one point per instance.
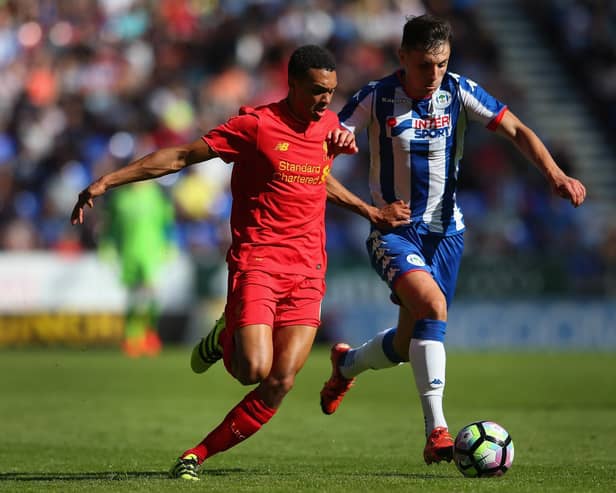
(429, 296)
(208, 350)
(439, 446)
(243, 421)
(260, 355)
(260, 405)
(250, 362)
(379, 352)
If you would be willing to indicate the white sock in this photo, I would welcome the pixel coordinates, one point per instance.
(369, 355)
(428, 360)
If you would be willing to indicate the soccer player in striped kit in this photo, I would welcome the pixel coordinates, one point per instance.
(416, 119)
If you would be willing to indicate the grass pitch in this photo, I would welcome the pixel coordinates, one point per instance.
(93, 421)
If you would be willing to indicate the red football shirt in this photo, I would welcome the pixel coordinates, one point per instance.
(278, 188)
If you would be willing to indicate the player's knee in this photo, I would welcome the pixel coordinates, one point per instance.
(279, 386)
(434, 308)
(250, 373)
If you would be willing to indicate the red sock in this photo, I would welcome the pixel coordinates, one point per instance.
(243, 420)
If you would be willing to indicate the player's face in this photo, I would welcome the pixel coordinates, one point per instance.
(424, 70)
(310, 95)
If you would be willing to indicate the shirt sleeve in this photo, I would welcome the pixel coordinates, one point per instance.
(237, 136)
(357, 112)
(481, 106)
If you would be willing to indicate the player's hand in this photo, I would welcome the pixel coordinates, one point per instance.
(86, 198)
(341, 141)
(392, 215)
(571, 189)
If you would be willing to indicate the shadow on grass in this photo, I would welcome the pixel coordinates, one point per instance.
(129, 475)
(411, 475)
(101, 476)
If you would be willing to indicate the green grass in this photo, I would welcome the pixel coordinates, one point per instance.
(90, 421)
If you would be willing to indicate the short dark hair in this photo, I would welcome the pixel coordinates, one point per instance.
(426, 32)
(310, 56)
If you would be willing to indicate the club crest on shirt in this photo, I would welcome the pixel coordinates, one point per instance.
(441, 99)
(415, 259)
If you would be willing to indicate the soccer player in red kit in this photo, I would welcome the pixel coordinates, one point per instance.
(282, 154)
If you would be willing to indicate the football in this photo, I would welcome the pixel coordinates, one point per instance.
(483, 449)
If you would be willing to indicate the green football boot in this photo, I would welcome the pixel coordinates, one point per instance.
(208, 350)
(186, 468)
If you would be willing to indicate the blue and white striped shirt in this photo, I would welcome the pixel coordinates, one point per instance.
(416, 144)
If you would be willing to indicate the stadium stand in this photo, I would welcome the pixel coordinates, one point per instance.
(87, 85)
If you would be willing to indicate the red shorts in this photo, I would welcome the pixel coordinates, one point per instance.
(277, 300)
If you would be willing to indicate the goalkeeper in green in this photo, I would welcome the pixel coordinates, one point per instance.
(138, 229)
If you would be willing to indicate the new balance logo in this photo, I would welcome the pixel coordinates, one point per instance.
(282, 146)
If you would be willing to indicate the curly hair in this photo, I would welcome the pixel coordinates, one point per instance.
(310, 56)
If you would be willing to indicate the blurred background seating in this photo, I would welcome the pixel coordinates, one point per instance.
(88, 85)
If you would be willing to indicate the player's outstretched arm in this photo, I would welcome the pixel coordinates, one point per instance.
(535, 151)
(158, 163)
(391, 216)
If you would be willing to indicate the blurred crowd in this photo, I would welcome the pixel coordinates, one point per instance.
(586, 32)
(88, 85)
